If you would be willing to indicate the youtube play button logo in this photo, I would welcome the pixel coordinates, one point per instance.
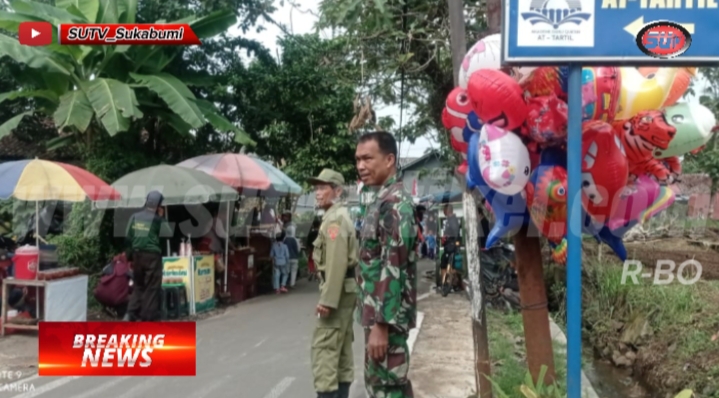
(35, 33)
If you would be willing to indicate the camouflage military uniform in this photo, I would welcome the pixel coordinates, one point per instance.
(388, 286)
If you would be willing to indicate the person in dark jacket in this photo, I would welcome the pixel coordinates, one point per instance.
(144, 232)
(309, 246)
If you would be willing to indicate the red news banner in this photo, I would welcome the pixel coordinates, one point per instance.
(127, 34)
(117, 349)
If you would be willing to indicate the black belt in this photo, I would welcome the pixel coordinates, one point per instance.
(349, 274)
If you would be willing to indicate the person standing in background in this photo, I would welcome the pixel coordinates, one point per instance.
(294, 249)
(288, 225)
(450, 237)
(280, 260)
(335, 254)
(144, 231)
(431, 245)
(309, 246)
(388, 269)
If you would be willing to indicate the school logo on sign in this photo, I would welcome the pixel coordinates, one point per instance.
(556, 23)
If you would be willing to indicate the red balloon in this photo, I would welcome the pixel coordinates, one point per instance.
(600, 95)
(454, 117)
(547, 120)
(535, 154)
(604, 169)
(641, 135)
(497, 99)
(458, 146)
(546, 80)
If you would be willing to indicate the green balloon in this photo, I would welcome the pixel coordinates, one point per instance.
(694, 123)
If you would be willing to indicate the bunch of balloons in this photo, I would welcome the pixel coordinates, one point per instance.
(510, 125)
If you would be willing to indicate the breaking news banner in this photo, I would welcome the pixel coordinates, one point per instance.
(127, 34)
(117, 349)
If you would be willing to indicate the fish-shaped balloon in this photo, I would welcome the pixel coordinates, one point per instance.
(510, 210)
(547, 195)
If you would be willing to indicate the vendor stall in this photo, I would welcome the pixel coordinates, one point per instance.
(256, 180)
(191, 273)
(59, 294)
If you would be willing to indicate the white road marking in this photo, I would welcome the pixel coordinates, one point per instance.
(135, 391)
(102, 388)
(260, 343)
(422, 297)
(415, 332)
(206, 390)
(45, 387)
(280, 388)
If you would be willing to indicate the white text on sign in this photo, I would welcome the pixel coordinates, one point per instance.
(662, 4)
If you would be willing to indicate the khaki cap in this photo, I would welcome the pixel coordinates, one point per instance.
(328, 176)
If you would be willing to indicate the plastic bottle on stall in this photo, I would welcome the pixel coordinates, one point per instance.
(188, 251)
(182, 248)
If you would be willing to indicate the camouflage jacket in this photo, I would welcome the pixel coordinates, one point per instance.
(387, 274)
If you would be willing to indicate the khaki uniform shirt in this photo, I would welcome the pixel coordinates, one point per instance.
(335, 251)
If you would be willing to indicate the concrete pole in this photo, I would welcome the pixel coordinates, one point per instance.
(479, 319)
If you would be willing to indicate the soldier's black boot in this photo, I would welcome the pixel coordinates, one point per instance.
(327, 394)
(344, 391)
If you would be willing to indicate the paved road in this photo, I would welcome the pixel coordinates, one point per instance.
(258, 349)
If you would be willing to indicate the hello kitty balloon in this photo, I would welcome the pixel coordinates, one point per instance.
(503, 160)
(485, 54)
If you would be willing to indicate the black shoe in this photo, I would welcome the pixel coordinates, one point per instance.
(327, 394)
(344, 391)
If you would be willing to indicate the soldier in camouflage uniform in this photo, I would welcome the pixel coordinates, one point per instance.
(335, 255)
(387, 277)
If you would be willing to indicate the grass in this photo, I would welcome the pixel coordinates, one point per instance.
(508, 353)
(682, 320)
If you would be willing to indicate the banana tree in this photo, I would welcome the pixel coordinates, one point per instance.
(87, 89)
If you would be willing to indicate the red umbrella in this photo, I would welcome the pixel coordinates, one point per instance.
(243, 171)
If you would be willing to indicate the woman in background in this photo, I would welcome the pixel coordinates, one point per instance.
(309, 246)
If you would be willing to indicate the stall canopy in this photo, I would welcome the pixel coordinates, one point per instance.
(247, 173)
(42, 180)
(178, 185)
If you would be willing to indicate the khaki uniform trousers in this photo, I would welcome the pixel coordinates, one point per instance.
(332, 357)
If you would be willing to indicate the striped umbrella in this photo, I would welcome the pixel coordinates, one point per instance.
(42, 180)
(245, 172)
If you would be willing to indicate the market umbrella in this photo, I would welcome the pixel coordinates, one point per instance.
(245, 172)
(42, 180)
(178, 186)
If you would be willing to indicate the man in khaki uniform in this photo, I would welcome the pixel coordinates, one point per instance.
(335, 254)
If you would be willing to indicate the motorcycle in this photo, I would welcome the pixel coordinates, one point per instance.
(499, 278)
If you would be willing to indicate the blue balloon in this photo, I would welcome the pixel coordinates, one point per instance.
(603, 234)
(564, 78)
(473, 126)
(510, 211)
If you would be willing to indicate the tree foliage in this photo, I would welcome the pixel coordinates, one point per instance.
(87, 89)
(404, 50)
(297, 109)
(707, 161)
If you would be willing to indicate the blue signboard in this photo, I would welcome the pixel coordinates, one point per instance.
(604, 32)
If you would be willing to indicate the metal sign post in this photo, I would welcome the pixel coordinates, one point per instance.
(604, 33)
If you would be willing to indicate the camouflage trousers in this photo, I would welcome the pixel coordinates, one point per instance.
(388, 378)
